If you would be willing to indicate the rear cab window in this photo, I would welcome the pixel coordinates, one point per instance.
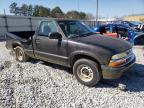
(47, 27)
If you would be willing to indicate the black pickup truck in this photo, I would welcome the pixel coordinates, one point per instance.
(71, 43)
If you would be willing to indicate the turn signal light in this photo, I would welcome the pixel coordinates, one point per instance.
(116, 63)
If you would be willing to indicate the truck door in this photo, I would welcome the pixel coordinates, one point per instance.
(51, 50)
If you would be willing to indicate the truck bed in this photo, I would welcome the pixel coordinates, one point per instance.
(23, 37)
(24, 34)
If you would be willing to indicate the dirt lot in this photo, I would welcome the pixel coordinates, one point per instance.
(36, 84)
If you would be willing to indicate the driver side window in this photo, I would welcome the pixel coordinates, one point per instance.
(47, 27)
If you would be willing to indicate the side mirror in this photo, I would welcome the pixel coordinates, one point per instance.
(55, 35)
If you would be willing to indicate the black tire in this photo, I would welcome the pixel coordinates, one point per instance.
(20, 54)
(87, 68)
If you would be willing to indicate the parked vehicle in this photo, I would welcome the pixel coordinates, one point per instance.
(140, 28)
(139, 39)
(70, 43)
(132, 24)
(120, 31)
(135, 25)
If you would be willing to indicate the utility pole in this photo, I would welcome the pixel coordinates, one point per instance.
(97, 7)
(4, 12)
(78, 7)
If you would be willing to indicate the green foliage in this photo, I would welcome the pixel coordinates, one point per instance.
(13, 7)
(57, 13)
(82, 15)
(76, 15)
(36, 10)
(24, 9)
(29, 10)
(72, 14)
(41, 11)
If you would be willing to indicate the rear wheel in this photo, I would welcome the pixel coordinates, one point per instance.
(87, 72)
(20, 54)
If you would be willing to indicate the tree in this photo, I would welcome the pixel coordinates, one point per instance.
(24, 10)
(72, 14)
(44, 12)
(36, 10)
(57, 13)
(82, 15)
(30, 10)
(76, 15)
(13, 7)
(41, 11)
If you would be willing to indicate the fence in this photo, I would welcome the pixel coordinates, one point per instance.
(90, 23)
(18, 23)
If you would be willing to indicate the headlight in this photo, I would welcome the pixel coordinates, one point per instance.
(119, 56)
(119, 59)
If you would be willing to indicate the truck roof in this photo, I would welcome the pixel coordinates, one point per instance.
(66, 19)
(60, 19)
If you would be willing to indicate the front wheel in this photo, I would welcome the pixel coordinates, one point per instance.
(87, 72)
(20, 54)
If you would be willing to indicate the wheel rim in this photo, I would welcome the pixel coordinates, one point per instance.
(85, 73)
(19, 55)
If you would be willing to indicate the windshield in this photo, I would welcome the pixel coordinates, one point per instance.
(74, 28)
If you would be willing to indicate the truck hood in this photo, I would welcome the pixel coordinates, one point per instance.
(113, 44)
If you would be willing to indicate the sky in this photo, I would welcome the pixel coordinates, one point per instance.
(107, 8)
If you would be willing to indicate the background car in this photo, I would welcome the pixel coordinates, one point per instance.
(121, 31)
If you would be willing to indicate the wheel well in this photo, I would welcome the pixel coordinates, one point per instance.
(139, 40)
(80, 56)
(15, 45)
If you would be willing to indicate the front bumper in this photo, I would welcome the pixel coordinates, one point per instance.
(114, 73)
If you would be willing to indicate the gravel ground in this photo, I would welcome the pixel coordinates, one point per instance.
(36, 84)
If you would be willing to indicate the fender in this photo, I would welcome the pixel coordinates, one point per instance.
(17, 43)
(137, 38)
(84, 53)
(139, 35)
